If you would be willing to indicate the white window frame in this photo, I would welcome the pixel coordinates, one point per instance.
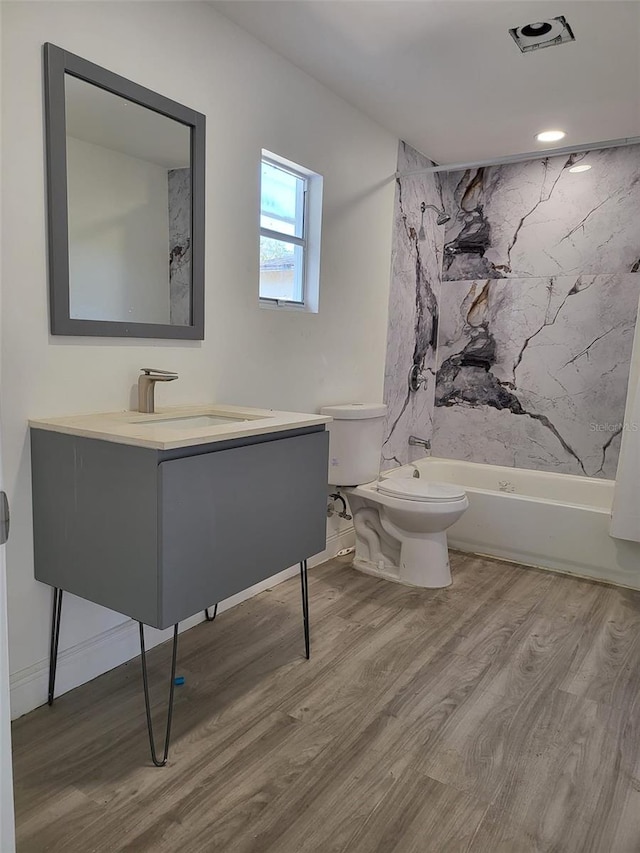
(310, 212)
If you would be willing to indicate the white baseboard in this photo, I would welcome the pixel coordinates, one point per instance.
(87, 660)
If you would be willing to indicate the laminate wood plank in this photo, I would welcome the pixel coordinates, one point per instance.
(241, 780)
(378, 668)
(584, 783)
(486, 631)
(369, 601)
(559, 767)
(485, 578)
(332, 798)
(416, 810)
(213, 684)
(606, 669)
(371, 750)
(54, 821)
(436, 691)
(501, 714)
(572, 598)
(214, 717)
(324, 809)
(120, 689)
(496, 833)
(478, 745)
(537, 656)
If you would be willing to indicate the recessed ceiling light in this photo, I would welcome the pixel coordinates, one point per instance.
(583, 167)
(551, 135)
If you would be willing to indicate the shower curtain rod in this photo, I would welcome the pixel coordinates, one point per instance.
(520, 158)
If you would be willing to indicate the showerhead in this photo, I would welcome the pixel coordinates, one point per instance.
(442, 215)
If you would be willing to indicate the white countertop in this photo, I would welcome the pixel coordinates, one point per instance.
(140, 429)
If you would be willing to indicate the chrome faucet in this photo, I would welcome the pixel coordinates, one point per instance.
(147, 384)
(414, 441)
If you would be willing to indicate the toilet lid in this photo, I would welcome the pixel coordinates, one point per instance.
(416, 489)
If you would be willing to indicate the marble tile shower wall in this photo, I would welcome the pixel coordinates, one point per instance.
(535, 310)
(416, 266)
(179, 246)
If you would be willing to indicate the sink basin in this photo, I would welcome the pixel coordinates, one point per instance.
(193, 421)
(180, 426)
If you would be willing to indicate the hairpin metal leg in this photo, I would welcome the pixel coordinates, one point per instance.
(215, 613)
(55, 637)
(304, 583)
(145, 683)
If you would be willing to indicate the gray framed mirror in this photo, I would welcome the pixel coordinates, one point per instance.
(125, 196)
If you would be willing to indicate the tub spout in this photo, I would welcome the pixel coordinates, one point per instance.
(414, 441)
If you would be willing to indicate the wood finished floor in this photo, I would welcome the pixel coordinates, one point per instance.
(500, 715)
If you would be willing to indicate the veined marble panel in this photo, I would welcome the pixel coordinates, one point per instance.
(180, 246)
(416, 263)
(533, 371)
(539, 219)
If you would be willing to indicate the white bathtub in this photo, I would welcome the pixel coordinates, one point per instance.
(554, 521)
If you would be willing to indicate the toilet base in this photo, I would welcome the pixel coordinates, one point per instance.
(423, 562)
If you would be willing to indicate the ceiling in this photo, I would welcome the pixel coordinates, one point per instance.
(446, 76)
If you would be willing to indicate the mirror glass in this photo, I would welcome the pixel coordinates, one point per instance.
(129, 210)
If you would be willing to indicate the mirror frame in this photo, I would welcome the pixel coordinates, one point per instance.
(58, 63)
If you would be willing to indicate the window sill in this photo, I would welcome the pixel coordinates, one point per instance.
(287, 306)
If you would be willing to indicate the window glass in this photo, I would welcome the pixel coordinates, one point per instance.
(282, 200)
(281, 270)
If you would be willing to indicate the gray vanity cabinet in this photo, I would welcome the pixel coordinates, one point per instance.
(161, 534)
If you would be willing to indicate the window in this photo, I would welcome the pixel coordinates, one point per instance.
(290, 212)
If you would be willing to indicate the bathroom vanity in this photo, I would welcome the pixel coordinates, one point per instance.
(158, 519)
(160, 516)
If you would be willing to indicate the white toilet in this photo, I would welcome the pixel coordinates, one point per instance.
(400, 521)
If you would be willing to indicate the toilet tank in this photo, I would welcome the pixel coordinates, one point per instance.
(355, 442)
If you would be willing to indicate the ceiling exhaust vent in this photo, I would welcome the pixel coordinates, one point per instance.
(543, 34)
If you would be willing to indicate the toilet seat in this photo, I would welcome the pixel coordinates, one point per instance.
(416, 489)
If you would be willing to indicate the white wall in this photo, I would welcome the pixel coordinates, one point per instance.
(118, 235)
(253, 99)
